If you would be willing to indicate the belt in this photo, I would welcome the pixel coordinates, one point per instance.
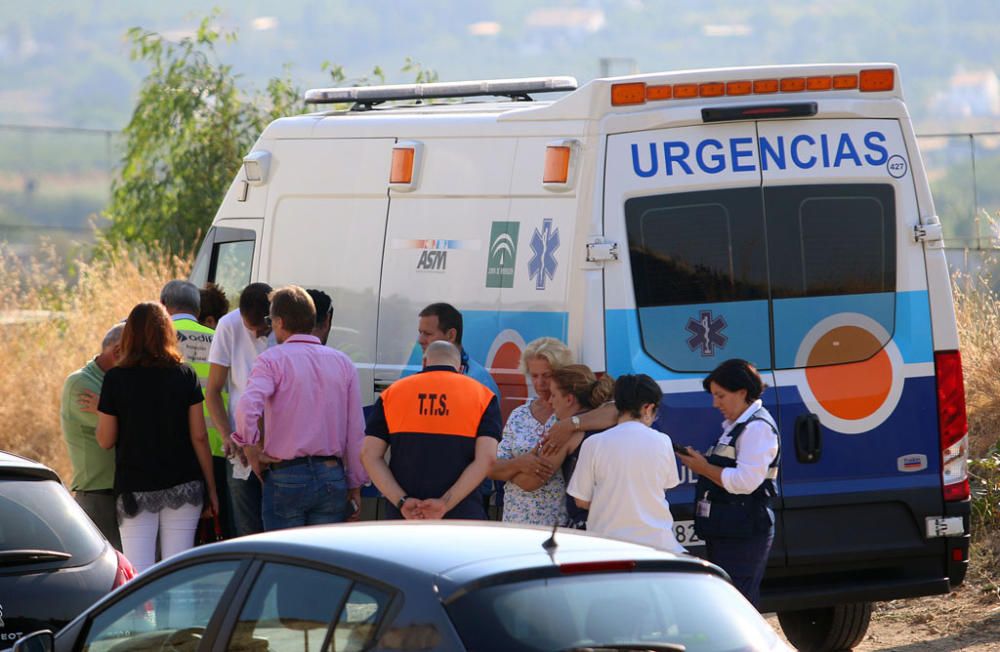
(304, 460)
(95, 492)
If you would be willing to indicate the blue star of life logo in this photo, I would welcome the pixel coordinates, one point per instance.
(706, 333)
(543, 261)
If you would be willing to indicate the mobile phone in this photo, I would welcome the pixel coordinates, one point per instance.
(680, 450)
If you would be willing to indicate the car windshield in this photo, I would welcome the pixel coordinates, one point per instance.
(38, 521)
(701, 612)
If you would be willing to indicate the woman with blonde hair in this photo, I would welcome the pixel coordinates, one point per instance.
(535, 488)
(150, 412)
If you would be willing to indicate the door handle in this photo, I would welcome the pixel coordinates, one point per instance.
(382, 385)
(808, 438)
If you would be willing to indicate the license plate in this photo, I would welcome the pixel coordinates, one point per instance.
(684, 533)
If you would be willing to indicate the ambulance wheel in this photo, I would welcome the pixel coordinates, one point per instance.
(827, 629)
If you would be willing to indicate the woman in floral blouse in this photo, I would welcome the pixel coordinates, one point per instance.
(518, 462)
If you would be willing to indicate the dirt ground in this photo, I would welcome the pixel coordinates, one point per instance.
(966, 619)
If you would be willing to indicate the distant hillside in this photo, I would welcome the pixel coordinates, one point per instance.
(65, 61)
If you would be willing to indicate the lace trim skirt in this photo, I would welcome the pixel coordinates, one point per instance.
(131, 503)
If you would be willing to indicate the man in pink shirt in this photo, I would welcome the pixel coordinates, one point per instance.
(308, 395)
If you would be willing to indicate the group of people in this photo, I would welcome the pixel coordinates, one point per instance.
(248, 418)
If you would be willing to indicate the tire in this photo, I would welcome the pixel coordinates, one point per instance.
(827, 629)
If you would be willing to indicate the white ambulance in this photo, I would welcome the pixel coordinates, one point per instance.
(658, 223)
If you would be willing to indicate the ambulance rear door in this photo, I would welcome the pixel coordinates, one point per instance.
(685, 205)
(852, 345)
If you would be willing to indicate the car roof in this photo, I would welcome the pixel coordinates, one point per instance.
(15, 465)
(449, 554)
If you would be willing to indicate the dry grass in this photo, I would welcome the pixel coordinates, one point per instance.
(36, 356)
(977, 311)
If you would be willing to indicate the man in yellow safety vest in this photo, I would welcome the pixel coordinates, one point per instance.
(182, 299)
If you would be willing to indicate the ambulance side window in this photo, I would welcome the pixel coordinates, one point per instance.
(226, 259)
(232, 265)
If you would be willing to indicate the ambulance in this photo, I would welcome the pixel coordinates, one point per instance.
(658, 223)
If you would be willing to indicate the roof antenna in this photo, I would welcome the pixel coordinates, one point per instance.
(549, 545)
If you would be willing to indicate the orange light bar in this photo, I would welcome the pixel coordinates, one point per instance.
(712, 89)
(685, 91)
(823, 83)
(882, 79)
(793, 84)
(402, 165)
(765, 86)
(630, 93)
(661, 92)
(845, 82)
(739, 88)
(556, 164)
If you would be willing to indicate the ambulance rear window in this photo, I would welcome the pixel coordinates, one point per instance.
(828, 240)
(748, 272)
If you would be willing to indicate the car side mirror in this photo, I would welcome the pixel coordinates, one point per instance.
(40, 641)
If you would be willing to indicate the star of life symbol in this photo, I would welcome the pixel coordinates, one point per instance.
(706, 333)
(543, 261)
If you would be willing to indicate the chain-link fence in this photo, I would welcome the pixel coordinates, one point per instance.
(964, 173)
(54, 181)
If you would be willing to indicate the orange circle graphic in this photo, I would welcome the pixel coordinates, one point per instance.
(849, 390)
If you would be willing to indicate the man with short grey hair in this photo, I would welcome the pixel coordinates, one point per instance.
(182, 299)
(93, 467)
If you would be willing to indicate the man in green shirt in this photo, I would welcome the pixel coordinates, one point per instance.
(93, 467)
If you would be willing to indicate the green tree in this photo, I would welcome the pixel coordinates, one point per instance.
(191, 126)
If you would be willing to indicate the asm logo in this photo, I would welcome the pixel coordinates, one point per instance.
(432, 260)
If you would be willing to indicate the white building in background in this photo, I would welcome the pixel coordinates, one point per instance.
(973, 93)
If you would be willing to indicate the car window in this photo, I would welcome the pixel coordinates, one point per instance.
(289, 608)
(359, 618)
(170, 613)
(597, 610)
(41, 515)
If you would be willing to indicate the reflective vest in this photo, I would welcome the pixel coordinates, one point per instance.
(719, 513)
(195, 341)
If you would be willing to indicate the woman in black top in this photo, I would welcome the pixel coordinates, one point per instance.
(150, 412)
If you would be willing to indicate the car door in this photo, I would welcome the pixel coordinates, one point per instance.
(177, 609)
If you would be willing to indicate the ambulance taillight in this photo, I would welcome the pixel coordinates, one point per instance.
(953, 425)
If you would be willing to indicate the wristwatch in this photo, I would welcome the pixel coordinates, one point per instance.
(575, 420)
(402, 501)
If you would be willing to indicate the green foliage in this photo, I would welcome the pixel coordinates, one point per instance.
(189, 131)
(185, 141)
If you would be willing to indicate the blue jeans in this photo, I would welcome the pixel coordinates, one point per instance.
(310, 493)
(244, 496)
